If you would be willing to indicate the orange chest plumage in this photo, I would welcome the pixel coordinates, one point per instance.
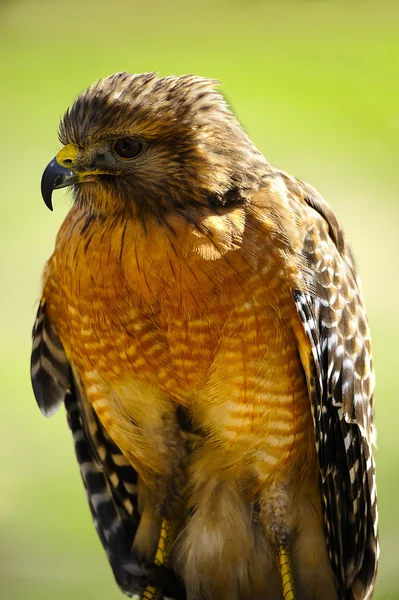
(214, 334)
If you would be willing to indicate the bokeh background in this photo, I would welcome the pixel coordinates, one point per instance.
(315, 84)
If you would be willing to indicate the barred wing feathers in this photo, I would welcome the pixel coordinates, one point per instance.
(49, 366)
(341, 386)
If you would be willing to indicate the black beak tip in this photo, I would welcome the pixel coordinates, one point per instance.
(46, 195)
(54, 177)
(47, 184)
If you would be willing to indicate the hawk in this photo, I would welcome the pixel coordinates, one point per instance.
(202, 323)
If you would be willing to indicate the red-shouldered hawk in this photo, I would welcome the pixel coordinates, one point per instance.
(202, 322)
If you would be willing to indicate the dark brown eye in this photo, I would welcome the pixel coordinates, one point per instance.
(127, 147)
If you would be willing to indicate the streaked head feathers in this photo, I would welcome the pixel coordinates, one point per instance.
(188, 133)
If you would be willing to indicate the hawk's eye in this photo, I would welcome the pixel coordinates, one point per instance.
(127, 147)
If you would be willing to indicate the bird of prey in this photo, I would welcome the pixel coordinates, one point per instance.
(202, 322)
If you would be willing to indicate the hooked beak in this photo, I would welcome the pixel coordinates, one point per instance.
(57, 175)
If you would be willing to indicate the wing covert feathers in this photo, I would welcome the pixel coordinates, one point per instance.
(341, 387)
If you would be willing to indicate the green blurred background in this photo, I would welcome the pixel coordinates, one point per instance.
(315, 84)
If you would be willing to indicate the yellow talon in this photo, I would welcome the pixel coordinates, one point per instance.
(161, 557)
(150, 593)
(287, 577)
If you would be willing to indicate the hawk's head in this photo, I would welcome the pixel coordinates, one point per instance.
(139, 143)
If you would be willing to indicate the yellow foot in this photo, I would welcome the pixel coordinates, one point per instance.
(287, 576)
(151, 593)
(161, 557)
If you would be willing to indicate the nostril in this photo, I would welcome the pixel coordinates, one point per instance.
(68, 162)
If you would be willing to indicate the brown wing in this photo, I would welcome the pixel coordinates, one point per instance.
(341, 385)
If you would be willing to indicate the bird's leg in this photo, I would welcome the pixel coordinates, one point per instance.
(278, 522)
(164, 503)
(166, 537)
(143, 423)
(286, 574)
(165, 542)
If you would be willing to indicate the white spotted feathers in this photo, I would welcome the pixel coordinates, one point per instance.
(341, 388)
